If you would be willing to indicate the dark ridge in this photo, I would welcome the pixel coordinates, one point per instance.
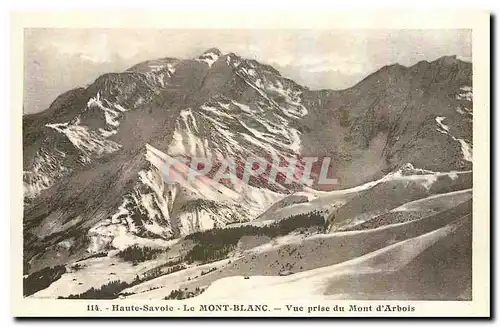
(445, 60)
(61, 108)
(266, 67)
(65, 97)
(138, 66)
(105, 79)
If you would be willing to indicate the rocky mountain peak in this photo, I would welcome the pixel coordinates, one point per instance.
(447, 60)
(108, 153)
(213, 50)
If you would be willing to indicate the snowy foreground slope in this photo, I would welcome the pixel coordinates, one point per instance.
(387, 273)
(393, 259)
(102, 220)
(391, 253)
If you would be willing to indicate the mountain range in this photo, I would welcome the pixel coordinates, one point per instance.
(101, 221)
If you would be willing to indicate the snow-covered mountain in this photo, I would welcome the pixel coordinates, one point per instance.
(94, 162)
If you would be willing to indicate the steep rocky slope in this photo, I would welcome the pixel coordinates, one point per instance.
(94, 162)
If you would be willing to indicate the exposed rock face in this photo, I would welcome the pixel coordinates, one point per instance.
(93, 161)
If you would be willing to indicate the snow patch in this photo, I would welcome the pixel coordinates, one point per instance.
(439, 120)
(209, 58)
(86, 140)
(465, 94)
(464, 145)
(466, 149)
(45, 171)
(111, 116)
(215, 111)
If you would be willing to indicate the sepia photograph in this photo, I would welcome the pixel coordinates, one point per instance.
(249, 165)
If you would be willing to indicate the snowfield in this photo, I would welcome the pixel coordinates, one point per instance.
(320, 260)
(316, 284)
(94, 272)
(366, 244)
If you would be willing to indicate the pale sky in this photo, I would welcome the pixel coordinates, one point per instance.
(57, 60)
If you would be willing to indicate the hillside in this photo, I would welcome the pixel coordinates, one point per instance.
(106, 179)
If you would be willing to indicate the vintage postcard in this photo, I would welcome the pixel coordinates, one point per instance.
(224, 164)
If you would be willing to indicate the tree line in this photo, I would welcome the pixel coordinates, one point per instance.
(215, 244)
(137, 254)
